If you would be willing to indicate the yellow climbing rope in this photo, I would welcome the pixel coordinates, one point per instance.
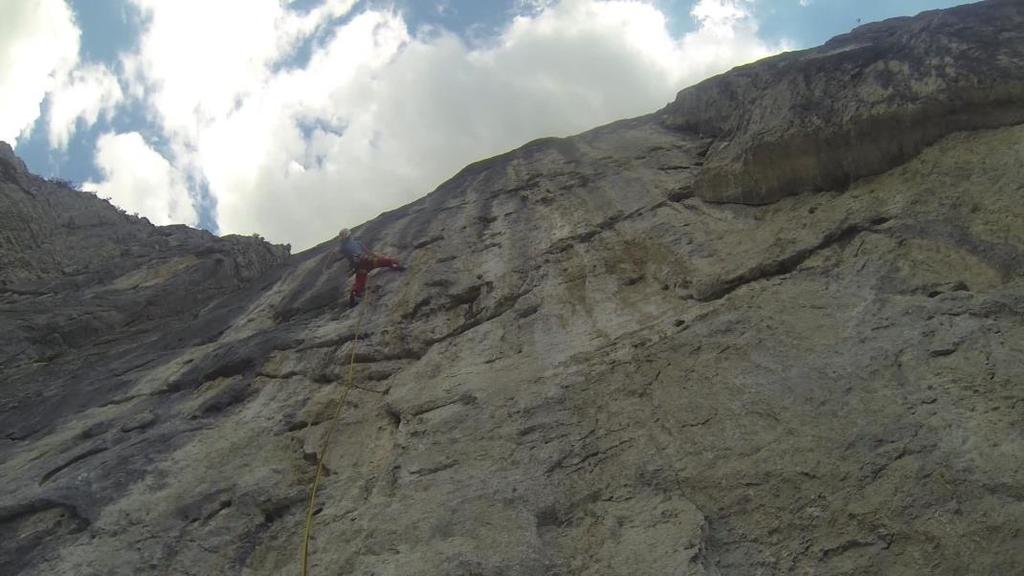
(327, 439)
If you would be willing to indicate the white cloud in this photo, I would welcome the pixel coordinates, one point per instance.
(532, 6)
(721, 15)
(139, 180)
(198, 59)
(39, 44)
(726, 36)
(379, 117)
(90, 91)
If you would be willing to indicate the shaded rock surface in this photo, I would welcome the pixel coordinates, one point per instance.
(88, 293)
(587, 369)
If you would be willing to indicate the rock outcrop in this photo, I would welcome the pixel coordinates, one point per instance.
(858, 105)
(79, 276)
(587, 369)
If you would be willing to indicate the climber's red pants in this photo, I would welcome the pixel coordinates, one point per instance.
(363, 269)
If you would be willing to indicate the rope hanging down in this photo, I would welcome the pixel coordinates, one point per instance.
(342, 395)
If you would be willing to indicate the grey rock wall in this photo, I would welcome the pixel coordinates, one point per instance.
(78, 277)
(587, 369)
(858, 105)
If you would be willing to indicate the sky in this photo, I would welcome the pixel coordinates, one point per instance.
(292, 119)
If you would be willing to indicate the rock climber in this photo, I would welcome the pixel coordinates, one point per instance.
(362, 261)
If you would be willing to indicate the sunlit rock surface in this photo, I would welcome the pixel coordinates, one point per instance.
(587, 369)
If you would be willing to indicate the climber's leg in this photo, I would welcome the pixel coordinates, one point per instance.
(359, 286)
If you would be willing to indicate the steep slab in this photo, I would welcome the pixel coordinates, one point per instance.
(585, 370)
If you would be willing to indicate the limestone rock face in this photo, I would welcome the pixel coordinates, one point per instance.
(858, 105)
(78, 276)
(586, 369)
